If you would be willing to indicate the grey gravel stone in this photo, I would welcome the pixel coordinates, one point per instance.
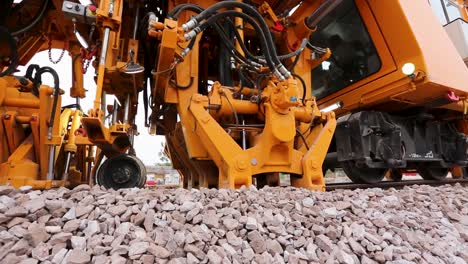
(137, 248)
(419, 224)
(78, 256)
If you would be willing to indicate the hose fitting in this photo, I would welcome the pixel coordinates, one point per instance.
(284, 71)
(189, 25)
(190, 35)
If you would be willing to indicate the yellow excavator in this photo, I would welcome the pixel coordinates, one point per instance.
(241, 90)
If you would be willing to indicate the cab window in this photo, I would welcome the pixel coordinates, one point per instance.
(354, 56)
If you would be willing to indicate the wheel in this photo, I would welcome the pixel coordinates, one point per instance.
(396, 175)
(437, 174)
(363, 175)
(123, 171)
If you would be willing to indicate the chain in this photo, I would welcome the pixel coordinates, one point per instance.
(61, 55)
(85, 66)
(87, 56)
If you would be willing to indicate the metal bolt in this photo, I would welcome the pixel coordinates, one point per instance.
(253, 161)
(241, 164)
(7, 116)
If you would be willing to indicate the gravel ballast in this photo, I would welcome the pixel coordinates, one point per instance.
(418, 224)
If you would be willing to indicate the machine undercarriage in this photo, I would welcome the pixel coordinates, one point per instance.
(242, 91)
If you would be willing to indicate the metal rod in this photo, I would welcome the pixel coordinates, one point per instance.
(244, 134)
(89, 159)
(324, 9)
(127, 109)
(105, 45)
(67, 167)
(102, 67)
(50, 170)
(115, 112)
(103, 105)
(111, 8)
(135, 26)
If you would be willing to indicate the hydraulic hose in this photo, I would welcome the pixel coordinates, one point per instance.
(14, 52)
(292, 54)
(250, 20)
(249, 10)
(35, 21)
(227, 42)
(304, 88)
(296, 52)
(38, 79)
(175, 13)
(242, 45)
(33, 68)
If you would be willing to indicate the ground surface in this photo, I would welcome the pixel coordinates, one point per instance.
(418, 224)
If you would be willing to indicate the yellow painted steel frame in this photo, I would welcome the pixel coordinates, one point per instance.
(273, 150)
(26, 162)
(23, 157)
(111, 140)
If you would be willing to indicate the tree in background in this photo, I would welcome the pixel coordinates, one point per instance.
(163, 159)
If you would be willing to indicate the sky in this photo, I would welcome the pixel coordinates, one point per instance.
(452, 11)
(147, 147)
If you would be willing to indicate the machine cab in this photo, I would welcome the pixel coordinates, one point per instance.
(376, 46)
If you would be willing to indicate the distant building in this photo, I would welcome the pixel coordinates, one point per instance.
(162, 175)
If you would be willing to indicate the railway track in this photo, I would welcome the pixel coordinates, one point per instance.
(392, 184)
(351, 186)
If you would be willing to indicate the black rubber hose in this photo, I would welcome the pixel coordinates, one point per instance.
(38, 79)
(242, 44)
(33, 68)
(246, 9)
(30, 70)
(304, 88)
(227, 42)
(263, 41)
(293, 65)
(35, 21)
(218, 28)
(176, 11)
(14, 52)
(296, 52)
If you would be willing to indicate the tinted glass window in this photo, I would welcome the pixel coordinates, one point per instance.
(354, 56)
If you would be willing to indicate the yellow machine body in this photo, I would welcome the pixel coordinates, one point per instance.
(221, 129)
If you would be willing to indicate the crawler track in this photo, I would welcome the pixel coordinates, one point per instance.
(392, 184)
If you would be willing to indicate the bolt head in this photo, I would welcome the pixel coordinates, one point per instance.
(6, 116)
(253, 161)
(242, 164)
